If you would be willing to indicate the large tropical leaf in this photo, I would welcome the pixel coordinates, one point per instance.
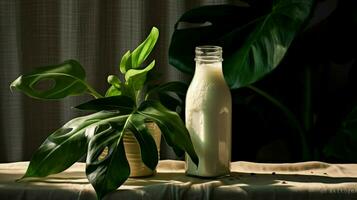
(70, 140)
(171, 126)
(123, 104)
(254, 40)
(58, 81)
(106, 173)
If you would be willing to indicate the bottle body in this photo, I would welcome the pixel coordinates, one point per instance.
(208, 120)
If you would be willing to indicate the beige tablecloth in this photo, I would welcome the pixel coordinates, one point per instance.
(308, 180)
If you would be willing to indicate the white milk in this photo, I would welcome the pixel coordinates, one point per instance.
(208, 115)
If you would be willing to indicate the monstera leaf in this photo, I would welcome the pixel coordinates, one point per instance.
(254, 40)
(108, 173)
(65, 79)
(71, 141)
(171, 95)
(169, 122)
(123, 104)
(137, 125)
(100, 135)
(171, 126)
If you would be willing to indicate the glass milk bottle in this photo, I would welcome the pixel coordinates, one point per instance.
(209, 115)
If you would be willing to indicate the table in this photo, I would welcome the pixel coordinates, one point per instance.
(307, 180)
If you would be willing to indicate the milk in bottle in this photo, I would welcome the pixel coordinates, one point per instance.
(208, 115)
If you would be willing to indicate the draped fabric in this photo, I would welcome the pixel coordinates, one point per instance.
(96, 33)
(247, 181)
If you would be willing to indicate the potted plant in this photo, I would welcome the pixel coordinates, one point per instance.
(126, 108)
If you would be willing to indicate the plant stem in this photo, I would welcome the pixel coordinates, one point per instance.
(94, 93)
(91, 90)
(290, 116)
(138, 97)
(307, 109)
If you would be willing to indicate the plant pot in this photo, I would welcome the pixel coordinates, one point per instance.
(133, 154)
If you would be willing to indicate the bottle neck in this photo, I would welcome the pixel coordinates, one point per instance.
(209, 69)
(208, 54)
(209, 61)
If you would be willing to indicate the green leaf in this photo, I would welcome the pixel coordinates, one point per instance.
(114, 80)
(113, 91)
(177, 87)
(343, 144)
(65, 79)
(172, 102)
(136, 77)
(115, 88)
(171, 126)
(139, 55)
(123, 104)
(254, 40)
(108, 173)
(70, 140)
(171, 95)
(148, 149)
(124, 65)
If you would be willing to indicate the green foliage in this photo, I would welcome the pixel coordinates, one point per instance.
(136, 77)
(120, 111)
(68, 78)
(69, 140)
(254, 41)
(170, 94)
(139, 55)
(171, 126)
(123, 104)
(304, 103)
(106, 174)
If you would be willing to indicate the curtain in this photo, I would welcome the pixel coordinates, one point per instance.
(96, 33)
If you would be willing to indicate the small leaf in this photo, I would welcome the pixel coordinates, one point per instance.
(115, 88)
(66, 145)
(108, 173)
(148, 149)
(123, 104)
(124, 65)
(171, 126)
(136, 77)
(68, 79)
(114, 80)
(113, 91)
(139, 55)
